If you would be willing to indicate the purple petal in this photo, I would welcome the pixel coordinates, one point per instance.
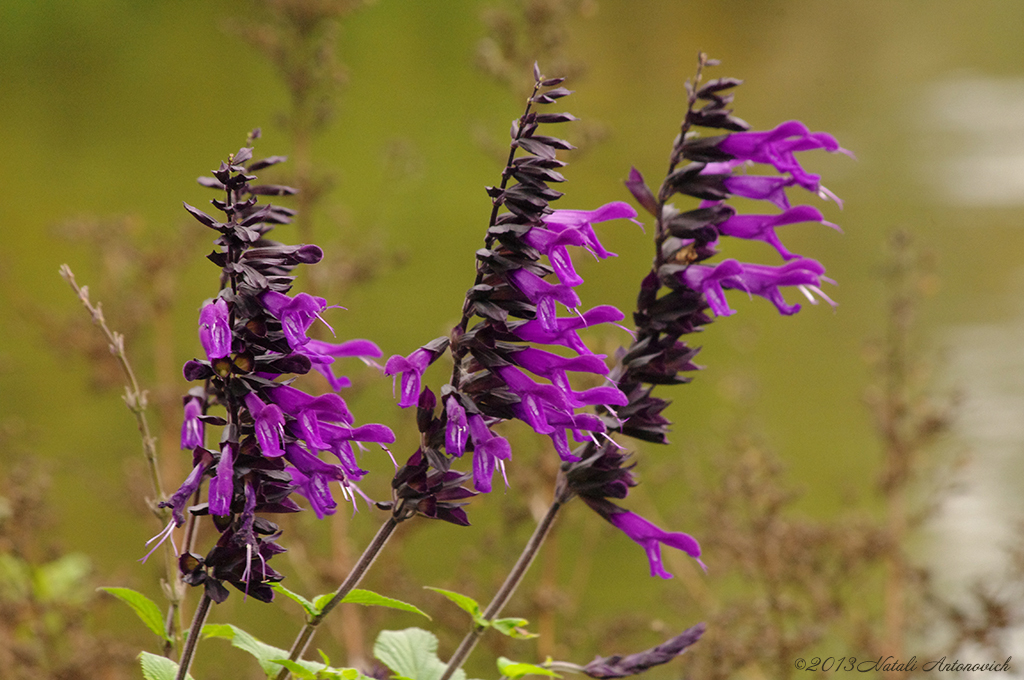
(214, 332)
(222, 487)
(650, 537)
(457, 430)
(762, 227)
(755, 279)
(192, 429)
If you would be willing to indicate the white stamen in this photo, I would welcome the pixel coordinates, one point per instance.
(164, 534)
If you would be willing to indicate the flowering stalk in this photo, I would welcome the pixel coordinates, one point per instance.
(254, 336)
(676, 296)
(597, 470)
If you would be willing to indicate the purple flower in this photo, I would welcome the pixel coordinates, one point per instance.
(777, 147)
(762, 227)
(295, 314)
(192, 428)
(183, 495)
(489, 450)
(760, 188)
(574, 227)
(322, 355)
(411, 369)
(222, 488)
(755, 279)
(457, 430)
(269, 425)
(565, 329)
(316, 489)
(214, 332)
(544, 295)
(313, 476)
(651, 538)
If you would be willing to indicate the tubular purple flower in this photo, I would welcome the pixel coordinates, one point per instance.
(581, 221)
(222, 487)
(547, 364)
(777, 147)
(762, 227)
(488, 449)
(316, 490)
(192, 428)
(181, 497)
(565, 330)
(544, 295)
(650, 537)
(295, 402)
(295, 314)
(764, 281)
(573, 227)
(411, 369)
(314, 477)
(761, 188)
(269, 425)
(378, 434)
(214, 332)
(561, 421)
(457, 430)
(322, 354)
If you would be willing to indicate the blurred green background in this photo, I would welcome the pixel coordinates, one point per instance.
(110, 109)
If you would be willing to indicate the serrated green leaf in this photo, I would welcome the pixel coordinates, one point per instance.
(412, 654)
(516, 669)
(310, 608)
(513, 628)
(371, 599)
(465, 602)
(156, 667)
(144, 608)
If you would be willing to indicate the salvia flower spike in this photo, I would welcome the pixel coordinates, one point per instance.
(524, 278)
(677, 295)
(255, 338)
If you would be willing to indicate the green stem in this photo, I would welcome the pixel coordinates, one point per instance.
(507, 589)
(351, 581)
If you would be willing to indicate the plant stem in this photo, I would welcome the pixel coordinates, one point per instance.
(351, 581)
(507, 589)
(193, 636)
(137, 401)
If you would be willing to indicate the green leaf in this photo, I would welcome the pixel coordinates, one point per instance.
(144, 608)
(297, 670)
(516, 669)
(310, 608)
(156, 667)
(412, 654)
(267, 655)
(272, 658)
(513, 628)
(372, 599)
(466, 603)
(320, 601)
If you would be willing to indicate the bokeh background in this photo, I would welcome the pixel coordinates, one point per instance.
(110, 109)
